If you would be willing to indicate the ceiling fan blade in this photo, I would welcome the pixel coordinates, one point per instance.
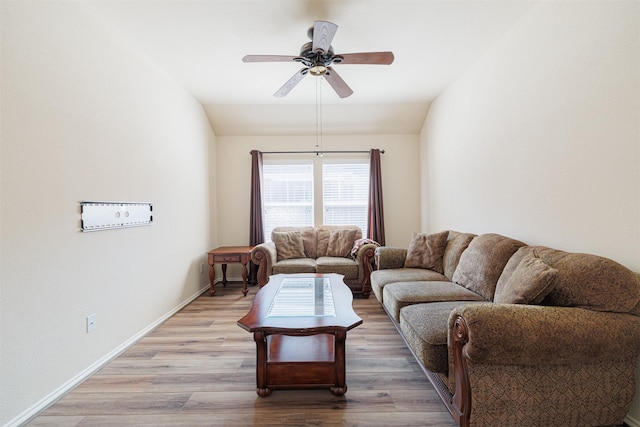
(286, 88)
(373, 58)
(268, 58)
(342, 89)
(323, 32)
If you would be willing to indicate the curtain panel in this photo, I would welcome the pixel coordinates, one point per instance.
(375, 220)
(256, 215)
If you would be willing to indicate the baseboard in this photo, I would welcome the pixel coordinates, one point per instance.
(631, 422)
(45, 402)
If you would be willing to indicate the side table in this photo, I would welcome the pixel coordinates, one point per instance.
(229, 255)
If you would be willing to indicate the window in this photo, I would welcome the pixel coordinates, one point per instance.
(288, 196)
(345, 194)
(341, 197)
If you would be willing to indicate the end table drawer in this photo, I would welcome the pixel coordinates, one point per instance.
(226, 258)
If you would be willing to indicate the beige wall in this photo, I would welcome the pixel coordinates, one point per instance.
(85, 118)
(540, 139)
(400, 172)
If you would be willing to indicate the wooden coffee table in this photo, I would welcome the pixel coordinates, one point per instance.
(300, 323)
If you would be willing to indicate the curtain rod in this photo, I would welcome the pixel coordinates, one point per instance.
(318, 152)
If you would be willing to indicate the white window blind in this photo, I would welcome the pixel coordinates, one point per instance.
(288, 196)
(345, 198)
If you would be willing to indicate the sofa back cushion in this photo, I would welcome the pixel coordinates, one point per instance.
(481, 264)
(588, 281)
(341, 242)
(289, 244)
(456, 244)
(309, 240)
(350, 233)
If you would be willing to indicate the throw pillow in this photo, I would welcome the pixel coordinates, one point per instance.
(426, 251)
(341, 242)
(531, 281)
(289, 244)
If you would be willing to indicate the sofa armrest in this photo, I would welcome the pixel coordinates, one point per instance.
(389, 257)
(527, 336)
(542, 335)
(364, 259)
(264, 256)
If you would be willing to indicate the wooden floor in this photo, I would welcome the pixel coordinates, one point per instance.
(198, 369)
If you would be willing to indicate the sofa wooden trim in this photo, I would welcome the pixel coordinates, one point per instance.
(260, 258)
(461, 402)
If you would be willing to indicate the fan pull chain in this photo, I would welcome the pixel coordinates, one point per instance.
(319, 115)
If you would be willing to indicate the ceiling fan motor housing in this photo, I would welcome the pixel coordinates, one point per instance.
(317, 61)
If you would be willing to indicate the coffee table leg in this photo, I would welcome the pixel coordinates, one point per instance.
(261, 364)
(341, 380)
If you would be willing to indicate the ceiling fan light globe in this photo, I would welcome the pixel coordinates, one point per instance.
(318, 70)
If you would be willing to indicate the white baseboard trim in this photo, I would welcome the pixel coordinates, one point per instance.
(34, 410)
(631, 422)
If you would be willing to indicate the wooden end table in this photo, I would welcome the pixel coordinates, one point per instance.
(229, 255)
(300, 323)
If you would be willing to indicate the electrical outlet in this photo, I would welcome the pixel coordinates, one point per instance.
(201, 267)
(91, 322)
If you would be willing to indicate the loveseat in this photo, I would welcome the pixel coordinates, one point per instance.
(515, 335)
(321, 249)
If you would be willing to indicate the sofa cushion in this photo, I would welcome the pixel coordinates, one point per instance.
(345, 266)
(323, 234)
(341, 242)
(530, 282)
(590, 281)
(481, 264)
(288, 244)
(401, 294)
(309, 239)
(425, 327)
(426, 251)
(296, 265)
(380, 278)
(456, 244)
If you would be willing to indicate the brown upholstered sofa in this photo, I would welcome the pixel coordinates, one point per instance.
(322, 249)
(515, 335)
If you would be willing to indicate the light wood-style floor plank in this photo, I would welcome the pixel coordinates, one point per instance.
(198, 369)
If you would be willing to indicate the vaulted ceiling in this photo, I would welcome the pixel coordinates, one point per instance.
(200, 43)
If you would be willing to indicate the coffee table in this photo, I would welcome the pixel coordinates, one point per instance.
(300, 323)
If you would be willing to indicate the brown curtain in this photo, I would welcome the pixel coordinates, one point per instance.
(256, 217)
(375, 226)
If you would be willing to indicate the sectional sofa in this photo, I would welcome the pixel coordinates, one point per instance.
(515, 335)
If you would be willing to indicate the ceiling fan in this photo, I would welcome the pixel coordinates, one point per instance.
(317, 57)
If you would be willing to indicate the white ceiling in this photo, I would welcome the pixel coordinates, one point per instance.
(201, 44)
